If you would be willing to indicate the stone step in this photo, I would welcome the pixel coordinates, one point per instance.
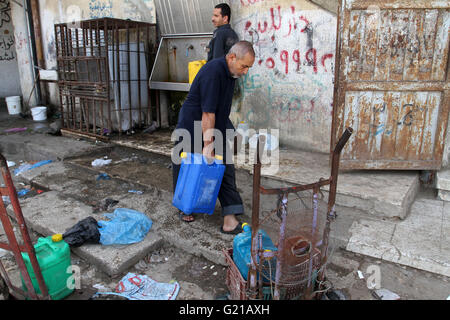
(443, 184)
(422, 241)
(51, 212)
(73, 185)
(34, 147)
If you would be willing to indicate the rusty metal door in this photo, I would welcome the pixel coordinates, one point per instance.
(392, 83)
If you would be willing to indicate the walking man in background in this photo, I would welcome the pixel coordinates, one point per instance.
(224, 37)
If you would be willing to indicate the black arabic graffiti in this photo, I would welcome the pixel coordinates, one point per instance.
(7, 57)
(6, 42)
(4, 12)
(7, 52)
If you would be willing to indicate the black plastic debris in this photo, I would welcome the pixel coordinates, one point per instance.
(85, 231)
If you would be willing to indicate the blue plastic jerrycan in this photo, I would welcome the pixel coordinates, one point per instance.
(198, 183)
(242, 244)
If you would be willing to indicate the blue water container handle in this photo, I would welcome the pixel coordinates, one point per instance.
(217, 160)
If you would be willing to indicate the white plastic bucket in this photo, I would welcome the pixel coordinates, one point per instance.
(39, 113)
(13, 104)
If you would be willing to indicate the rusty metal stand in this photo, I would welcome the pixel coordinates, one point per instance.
(13, 244)
(298, 284)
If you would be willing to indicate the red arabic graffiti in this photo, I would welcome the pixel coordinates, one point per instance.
(276, 20)
(246, 3)
(286, 57)
(289, 21)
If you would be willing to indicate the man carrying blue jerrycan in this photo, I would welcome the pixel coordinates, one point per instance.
(203, 122)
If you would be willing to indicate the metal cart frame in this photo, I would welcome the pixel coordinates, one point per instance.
(254, 285)
(13, 244)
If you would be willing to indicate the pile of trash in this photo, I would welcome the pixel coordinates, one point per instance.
(125, 226)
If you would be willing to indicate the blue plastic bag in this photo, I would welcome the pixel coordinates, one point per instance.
(125, 226)
(29, 166)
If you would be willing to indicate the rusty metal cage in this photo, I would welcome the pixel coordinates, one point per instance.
(297, 219)
(295, 222)
(103, 71)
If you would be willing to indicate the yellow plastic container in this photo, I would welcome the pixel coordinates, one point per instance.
(194, 67)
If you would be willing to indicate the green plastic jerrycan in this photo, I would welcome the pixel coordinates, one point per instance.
(53, 257)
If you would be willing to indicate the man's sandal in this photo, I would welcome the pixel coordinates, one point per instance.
(236, 230)
(188, 218)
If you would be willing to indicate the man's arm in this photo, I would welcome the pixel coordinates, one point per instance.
(208, 123)
(219, 46)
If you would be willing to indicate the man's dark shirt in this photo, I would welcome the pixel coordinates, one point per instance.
(223, 39)
(211, 91)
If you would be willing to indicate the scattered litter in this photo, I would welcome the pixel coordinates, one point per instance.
(205, 267)
(385, 294)
(132, 158)
(28, 192)
(85, 231)
(101, 162)
(107, 205)
(136, 191)
(360, 275)
(29, 166)
(103, 176)
(215, 273)
(23, 192)
(125, 227)
(6, 200)
(142, 287)
(10, 163)
(212, 267)
(15, 130)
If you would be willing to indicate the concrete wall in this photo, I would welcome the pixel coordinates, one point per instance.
(61, 11)
(290, 86)
(9, 70)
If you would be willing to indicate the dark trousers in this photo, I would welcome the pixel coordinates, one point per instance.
(229, 197)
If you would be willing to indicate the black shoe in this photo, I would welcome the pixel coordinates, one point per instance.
(236, 230)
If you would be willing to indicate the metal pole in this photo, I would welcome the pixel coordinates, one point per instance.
(332, 197)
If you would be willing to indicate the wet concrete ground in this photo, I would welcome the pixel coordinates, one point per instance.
(199, 278)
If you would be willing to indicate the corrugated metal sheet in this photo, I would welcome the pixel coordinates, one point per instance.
(185, 16)
(393, 84)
